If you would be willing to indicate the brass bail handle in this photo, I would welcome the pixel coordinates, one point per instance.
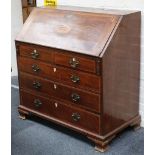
(35, 68)
(76, 117)
(35, 54)
(36, 85)
(75, 97)
(73, 62)
(37, 103)
(75, 79)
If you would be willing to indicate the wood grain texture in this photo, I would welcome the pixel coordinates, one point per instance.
(63, 112)
(60, 91)
(44, 54)
(52, 72)
(121, 74)
(80, 32)
(67, 60)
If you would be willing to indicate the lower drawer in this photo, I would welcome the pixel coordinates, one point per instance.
(58, 110)
(61, 92)
(37, 103)
(75, 116)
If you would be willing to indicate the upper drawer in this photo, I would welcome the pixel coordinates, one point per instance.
(76, 116)
(75, 62)
(37, 68)
(36, 52)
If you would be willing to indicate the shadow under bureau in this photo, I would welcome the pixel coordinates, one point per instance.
(80, 68)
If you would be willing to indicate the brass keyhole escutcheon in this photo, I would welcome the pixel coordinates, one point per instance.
(55, 86)
(54, 69)
(56, 105)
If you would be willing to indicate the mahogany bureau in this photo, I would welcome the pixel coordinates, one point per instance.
(80, 68)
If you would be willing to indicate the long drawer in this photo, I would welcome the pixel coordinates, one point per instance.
(65, 93)
(69, 114)
(68, 76)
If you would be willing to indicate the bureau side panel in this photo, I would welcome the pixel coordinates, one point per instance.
(121, 74)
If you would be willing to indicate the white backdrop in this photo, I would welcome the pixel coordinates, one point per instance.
(16, 25)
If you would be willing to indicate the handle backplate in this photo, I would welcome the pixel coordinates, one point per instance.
(34, 54)
(36, 84)
(37, 103)
(75, 97)
(75, 78)
(35, 68)
(73, 62)
(76, 117)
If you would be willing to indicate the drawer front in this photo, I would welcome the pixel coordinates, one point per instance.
(76, 116)
(37, 103)
(80, 79)
(35, 84)
(37, 68)
(36, 52)
(70, 95)
(75, 62)
(76, 97)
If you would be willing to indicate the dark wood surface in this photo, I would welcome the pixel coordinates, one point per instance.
(84, 64)
(86, 81)
(80, 32)
(62, 92)
(121, 74)
(28, 100)
(44, 54)
(91, 85)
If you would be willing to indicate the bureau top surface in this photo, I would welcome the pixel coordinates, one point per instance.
(76, 31)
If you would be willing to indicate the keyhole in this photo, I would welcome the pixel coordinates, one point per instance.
(54, 69)
(55, 86)
(56, 104)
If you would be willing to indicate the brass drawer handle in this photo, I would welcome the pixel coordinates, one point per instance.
(35, 54)
(75, 79)
(76, 117)
(73, 62)
(35, 68)
(37, 103)
(36, 85)
(75, 97)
